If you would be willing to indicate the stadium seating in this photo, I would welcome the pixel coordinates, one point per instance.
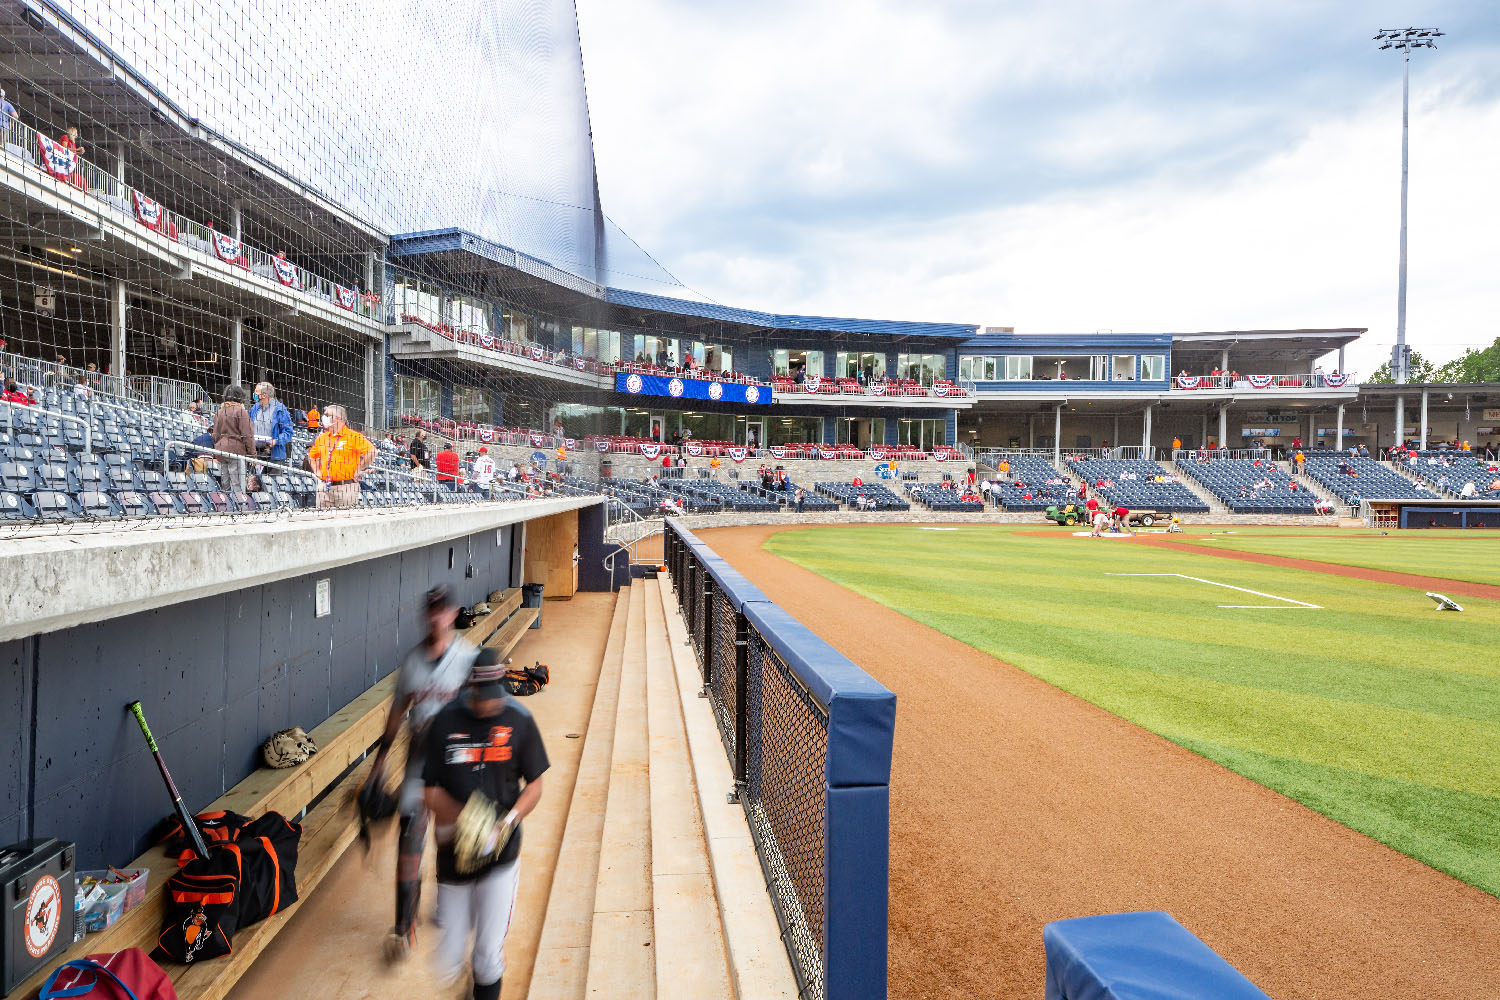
(848, 493)
(1237, 482)
(935, 496)
(1365, 479)
(1447, 472)
(1033, 485)
(1131, 483)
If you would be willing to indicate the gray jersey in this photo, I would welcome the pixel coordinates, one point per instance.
(432, 684)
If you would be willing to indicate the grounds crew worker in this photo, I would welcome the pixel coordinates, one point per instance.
(484, 768)
(338, 456)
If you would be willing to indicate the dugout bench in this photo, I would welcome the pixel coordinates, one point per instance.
(323, 788)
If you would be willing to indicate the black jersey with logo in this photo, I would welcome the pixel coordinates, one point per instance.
(497, 755)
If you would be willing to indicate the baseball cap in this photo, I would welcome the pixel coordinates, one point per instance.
(487, 673)
(439, 597)
(484, 451)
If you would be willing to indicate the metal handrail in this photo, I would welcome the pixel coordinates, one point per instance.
(88, 428)
(166, 459)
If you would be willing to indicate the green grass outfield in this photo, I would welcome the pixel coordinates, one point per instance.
(1374, 710)
(1473, 556)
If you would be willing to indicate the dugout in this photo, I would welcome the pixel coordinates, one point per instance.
(1444, 513)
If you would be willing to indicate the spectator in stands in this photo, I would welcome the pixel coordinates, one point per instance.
(417, 450)
(338, 455)
(1004, 468)
(273, 423)
(1300, 460)
(713, 467)
(233, 433)
(13, 394)
(800, 497)
(446, 464)
(1177, 444)
(313, 417)
(8, 118)
(514, 472)
(484, 470)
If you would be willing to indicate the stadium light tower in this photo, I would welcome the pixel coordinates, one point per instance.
(1403, 40)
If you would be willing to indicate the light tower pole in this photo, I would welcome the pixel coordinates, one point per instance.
(1404, 40)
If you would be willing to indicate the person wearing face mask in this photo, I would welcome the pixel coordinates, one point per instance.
(273, 423)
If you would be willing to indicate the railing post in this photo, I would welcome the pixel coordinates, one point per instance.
(741, 699)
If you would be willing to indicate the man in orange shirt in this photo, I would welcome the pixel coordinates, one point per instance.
(312, 418)
(338, 456)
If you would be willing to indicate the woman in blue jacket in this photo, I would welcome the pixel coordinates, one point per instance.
(271, 420)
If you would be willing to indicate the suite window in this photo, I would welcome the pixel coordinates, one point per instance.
(471, 404)
(1124, 368)
(1099, 368)
(1153, 367)
(1010, 367)
(923, 368)
(866, 367)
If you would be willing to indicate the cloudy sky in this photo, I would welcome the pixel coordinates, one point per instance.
(1068, 165)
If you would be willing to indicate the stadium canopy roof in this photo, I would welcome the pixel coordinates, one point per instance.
(459, 252)
(1291, 348)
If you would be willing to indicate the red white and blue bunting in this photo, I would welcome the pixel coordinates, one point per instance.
(603, 446)
(650, 450)
(877, 454)
(487, 341)
(345, 297)
(580, 363)
(1189, 381)
(538, 440)
(940, 390)
(286, 271)
(1260, 381)
(229, 250)
(1335, 381)
(738, 454)
(148, 213)
(58, 160)
(486, 434)
(878, 389)
(778, 452)
(827, 454)
(570, 443)
(940, 456)
(536, 352)
(814, 383)
(693, 449)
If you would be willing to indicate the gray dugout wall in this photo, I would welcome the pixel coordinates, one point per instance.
(216, 676)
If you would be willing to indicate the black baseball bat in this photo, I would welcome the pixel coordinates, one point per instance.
(189, 824)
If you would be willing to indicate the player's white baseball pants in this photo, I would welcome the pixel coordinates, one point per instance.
(482, 908)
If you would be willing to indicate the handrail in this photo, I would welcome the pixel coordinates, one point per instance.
(166, 459)
(88, 428)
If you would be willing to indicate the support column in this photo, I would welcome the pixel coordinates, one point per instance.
(1423, 438)
(120, 165)
(236, 220)
(370, 272)
(1338, 441)
(117, 331)
(1146, 432)
(371, 424)
(1203, 438)
(236, 349)
(1224, 425)
(1224, 362)
(1115, 438)
(445, 400)
(1400, 420)
(1031, 432)
(1341, 362)
(1057, 436)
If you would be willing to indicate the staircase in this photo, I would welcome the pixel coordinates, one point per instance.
(1215, 505)
(653, 895)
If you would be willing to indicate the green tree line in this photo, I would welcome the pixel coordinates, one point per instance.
(1470, 366)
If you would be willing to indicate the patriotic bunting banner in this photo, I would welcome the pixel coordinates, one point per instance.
(147, 212)
(650, 450)
(940, 456)
(59, 161)
(345, 296)
(580, 363)
(878, 389)
(229, 250)
(1189, 381)
(537, 440)
(603, 446)
(940, 390)
(694, 449)
(738, 454)
(570, 443)
(536, 352)
(778, 452)
(286, 271)
(486, 434)
(487, 341)
(814, 382)
(826, 454)
(877, 454)
(1335, 381)
(1259, 381)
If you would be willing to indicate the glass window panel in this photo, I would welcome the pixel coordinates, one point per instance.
(1124, 368)
(1153, 367)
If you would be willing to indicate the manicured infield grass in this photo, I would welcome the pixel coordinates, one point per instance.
(1374, 709)
(1473, 556)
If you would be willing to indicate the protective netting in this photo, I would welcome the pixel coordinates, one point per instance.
(787, 803)
(724, 677)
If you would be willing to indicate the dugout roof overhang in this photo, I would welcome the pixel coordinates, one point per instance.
(1438, 393)
(49, 58)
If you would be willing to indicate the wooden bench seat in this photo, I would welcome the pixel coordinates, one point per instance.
(508, 636)
(327, 830)
(481, 630)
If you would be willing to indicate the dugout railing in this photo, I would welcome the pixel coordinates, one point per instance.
(808, 735)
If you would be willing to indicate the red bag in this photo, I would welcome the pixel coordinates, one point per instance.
(124, 975)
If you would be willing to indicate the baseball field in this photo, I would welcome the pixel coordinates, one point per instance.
(1288, 658)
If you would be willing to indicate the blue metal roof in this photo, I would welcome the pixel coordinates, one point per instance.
(447, 240)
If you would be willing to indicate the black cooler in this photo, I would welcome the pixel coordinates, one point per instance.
(36, 912)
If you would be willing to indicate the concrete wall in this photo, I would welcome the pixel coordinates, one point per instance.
(216, 676)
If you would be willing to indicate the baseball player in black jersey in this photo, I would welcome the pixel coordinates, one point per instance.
(483, 775)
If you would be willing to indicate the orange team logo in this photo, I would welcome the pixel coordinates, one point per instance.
(497, 749)
(43, 913)
(194, 933)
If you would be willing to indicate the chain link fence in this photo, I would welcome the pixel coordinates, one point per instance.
(808, 735)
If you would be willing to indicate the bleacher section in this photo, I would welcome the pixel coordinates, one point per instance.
(1447, 473)
(1251, 486)
(50, 471)
(1131, 483)
(1365, 479)
(934, 496)
(1033, 485)
(848, 493)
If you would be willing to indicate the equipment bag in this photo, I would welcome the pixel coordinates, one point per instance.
(124, 975)
(527, 680)
(243, 880)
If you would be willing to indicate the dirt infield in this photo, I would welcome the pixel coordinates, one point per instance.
(1014, 803)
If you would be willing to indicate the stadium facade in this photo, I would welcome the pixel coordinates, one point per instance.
(268, 195)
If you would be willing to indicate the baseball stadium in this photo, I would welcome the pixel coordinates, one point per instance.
(368, 500)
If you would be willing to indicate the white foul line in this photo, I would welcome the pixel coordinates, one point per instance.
(1290, 605)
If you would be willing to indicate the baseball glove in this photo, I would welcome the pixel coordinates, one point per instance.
(375, 803)
(480, 835)
(288, 748)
